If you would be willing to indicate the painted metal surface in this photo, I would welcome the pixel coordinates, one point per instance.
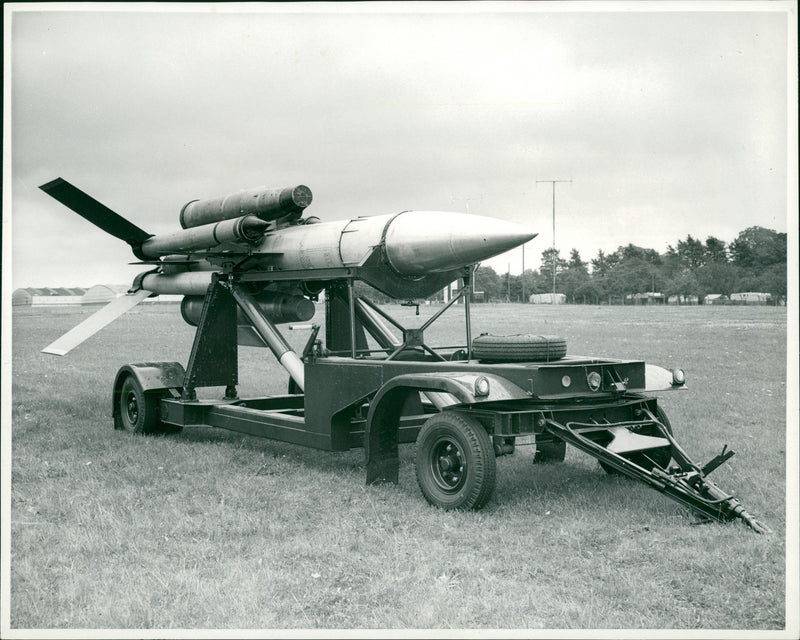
(287, 358)
(214, 357)
(415, 243)
(280, 308)
(246, 229)
(266, 203)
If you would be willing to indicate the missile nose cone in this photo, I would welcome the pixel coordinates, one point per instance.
(420, 242)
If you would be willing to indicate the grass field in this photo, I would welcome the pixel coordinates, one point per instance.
(215, 530)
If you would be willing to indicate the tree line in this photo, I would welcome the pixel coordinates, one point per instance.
(754, 261)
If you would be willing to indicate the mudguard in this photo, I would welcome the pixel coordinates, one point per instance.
(383, 419)
(152, 376)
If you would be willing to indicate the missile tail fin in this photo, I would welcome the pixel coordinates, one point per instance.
(94, 211)
(95, 322)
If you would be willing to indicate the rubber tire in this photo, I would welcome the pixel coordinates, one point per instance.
(448, 431)
(660, 456)
(138, 411)
(550, 452)
(519, 348)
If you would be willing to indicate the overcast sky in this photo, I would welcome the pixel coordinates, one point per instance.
(667, 123)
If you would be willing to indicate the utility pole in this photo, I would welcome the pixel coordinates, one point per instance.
(554, 231)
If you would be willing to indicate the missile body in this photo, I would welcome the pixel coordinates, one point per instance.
(413, 243)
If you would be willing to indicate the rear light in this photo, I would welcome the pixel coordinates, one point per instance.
(678, 377)
(594, 380)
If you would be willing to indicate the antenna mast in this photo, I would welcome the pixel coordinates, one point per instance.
(554, 230)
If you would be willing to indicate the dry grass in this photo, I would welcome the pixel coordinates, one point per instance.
(210, 529)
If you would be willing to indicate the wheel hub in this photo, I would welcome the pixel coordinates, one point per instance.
(448, 465)
(132, 408)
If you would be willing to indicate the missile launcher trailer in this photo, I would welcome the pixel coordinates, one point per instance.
(248, 262)
(461, 411)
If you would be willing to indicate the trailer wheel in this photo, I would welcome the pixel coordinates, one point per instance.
(646, 459)
(519, 348)
(455, 462)
(138, 411)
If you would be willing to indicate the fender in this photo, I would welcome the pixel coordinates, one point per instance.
(381, 429)
(152, 376)
(660, 379)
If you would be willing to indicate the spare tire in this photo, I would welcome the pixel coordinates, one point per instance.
(519, 348)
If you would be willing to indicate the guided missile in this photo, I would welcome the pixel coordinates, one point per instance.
(259, 237)
(262, 227)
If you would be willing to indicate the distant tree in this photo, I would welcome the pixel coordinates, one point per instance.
(487, 280)
(717, 277)
(590, 292)
(575, 261)
(683, 284)
(600, 265)
(671, 263)
(632, 269)
(531, 278)
(575, 276)
(514, 288)
(549, 258)
(631, 252)
(715, 251)
(772, 280)
(690, 253)
(757, 247)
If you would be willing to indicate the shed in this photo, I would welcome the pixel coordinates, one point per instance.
(547, 298)
(21, 297)
(648, 297)
(751, 297)
(49, 296)
(715, 298)
(683, 299)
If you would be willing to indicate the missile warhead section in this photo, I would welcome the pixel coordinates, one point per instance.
(421, 242)
(268, 204)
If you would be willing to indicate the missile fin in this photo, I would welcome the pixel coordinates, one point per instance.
(95, 322)
(94, 211)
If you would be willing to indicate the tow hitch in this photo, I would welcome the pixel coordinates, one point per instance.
(685, 481)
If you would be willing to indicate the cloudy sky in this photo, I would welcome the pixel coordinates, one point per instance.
(668, 123)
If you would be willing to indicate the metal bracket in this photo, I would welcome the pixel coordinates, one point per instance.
(718, 460)
(214, 358)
